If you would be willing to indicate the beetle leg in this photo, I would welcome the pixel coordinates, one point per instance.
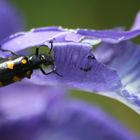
(37, 51)
(53, 71)
(51, 42)
(13, 53)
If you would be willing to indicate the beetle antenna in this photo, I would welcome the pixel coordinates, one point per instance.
(51, 42)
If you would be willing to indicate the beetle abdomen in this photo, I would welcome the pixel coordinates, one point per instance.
(14, 70)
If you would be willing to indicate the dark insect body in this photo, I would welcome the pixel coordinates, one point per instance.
(18, 67)
(88, 66)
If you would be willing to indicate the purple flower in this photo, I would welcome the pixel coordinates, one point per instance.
(10, 21)
(33, 115)
(34, 110)
(111, 70)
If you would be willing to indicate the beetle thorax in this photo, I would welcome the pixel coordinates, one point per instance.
(35, 61)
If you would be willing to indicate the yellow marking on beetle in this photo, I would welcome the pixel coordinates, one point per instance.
(10, 64)
(16, 78)
(23, 61)
(1, 84)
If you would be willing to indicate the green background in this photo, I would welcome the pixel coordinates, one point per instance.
(95, 14)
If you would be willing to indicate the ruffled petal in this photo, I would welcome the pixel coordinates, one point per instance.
(33, 115)
(76, 62)
(113, 36)
(124, 58)
(39, 36)
(136, 24)
(79, 69)
(110, 36)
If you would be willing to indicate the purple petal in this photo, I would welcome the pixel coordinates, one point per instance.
(110, 36)
(39, 36)
(22, 101)
(124, 58)
(10, 21)
(136, 24)
(28, 114)
(70, 59)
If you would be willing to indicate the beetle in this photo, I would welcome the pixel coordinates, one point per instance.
(18, 67)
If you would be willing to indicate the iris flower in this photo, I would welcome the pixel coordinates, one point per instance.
(111, 70)
(40, 108)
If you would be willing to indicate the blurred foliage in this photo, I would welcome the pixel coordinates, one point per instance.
(95, 14)
(79, 13)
